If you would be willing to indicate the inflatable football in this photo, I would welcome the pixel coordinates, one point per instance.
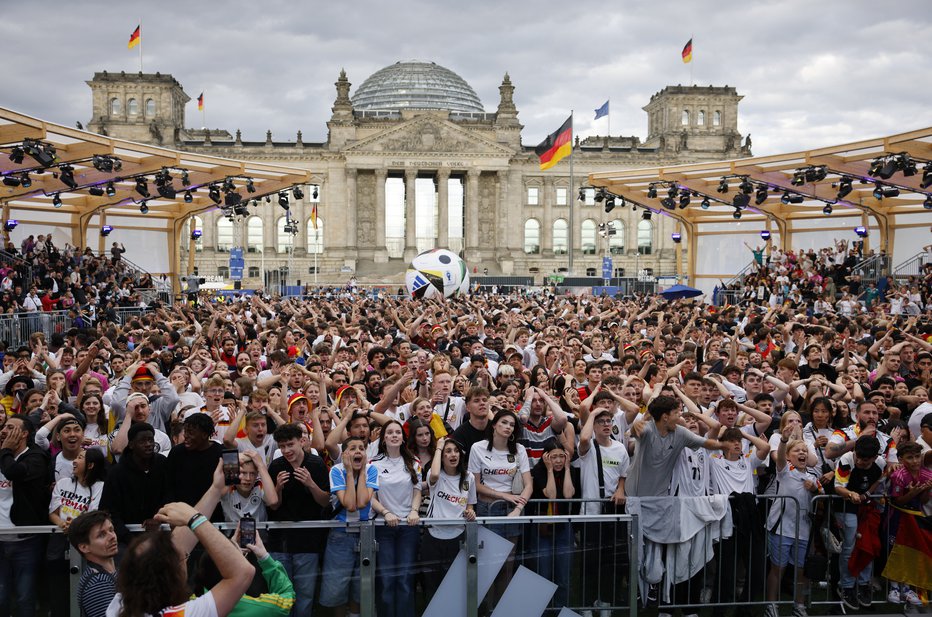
(437, 272)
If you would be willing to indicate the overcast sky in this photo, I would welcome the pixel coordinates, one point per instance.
(812, 73)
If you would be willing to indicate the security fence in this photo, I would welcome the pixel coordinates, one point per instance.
(16, 328)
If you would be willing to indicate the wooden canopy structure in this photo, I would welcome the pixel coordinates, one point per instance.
(75, 182)
(881, 184)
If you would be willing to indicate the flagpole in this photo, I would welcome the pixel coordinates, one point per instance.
(572, 227)
(203, 111)
(609, 116)
(140, 45)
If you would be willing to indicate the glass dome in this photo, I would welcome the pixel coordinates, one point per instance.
(416, 85)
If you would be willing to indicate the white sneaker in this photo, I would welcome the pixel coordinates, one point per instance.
(800, 611)
(603, 612)
(705, 596)
(894, 596)
(913, 598)
(771, 611)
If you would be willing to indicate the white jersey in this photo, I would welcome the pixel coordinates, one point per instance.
(691, 473)
(396, 490)
(497, 468)
(235, 506)
(453, 411)
(615, 465)
(735, 476)
(266, 449)
(449, 500)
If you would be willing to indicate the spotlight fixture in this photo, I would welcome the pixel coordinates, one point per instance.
(741, 200)
(765, 235)
(926, 176)
(240, 209)
(299, 194)
(609, 204)
(185, 180)
(599, 195)
(232, 199)
(887, 169)
(651, 191)
(672, 191)
(761, 195)
(283, 200)
(44, 154)
(736, 214)
(142, 187)
(228, 185)
(250, 187)
(582, 193)
(815, 174)
(746, 187)
(844, 187)
(144, 208)
(66, 175)
(167, 190)
(56, 200)
(17, 155)
(668, 203)
(268, 199)
(188, 197)
(11, 181)
(791, 198)
(676, 237)
(880, 191)
(723, 186)
(827, 210)
(106, 163)
(111, 189)
(684, 200)
(197, 233)
(706, 204)
(799, 178)
(214, 193)
(907, 166)
(314, 194)
(861, 231)
(96, 191)
(646, 215)
(10, 225)
(105, 230)
(25, 180)
(927, 204)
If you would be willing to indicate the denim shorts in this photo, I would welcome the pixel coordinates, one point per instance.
(781, 550)
(340, 580)
(499, 508)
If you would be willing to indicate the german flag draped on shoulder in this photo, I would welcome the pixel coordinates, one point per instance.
(558, 145)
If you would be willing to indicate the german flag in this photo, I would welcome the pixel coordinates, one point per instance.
(200, 102)
(314, 215)
(910, 561)
(688, 52)
(134, 38)
(558, 145)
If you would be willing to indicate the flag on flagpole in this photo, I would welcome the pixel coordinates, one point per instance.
(314, 215)
(688, 52)
(558, 145)
(601, 111)
(134, 38)
(200, 102)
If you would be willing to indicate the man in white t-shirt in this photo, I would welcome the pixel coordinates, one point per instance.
(451, 409)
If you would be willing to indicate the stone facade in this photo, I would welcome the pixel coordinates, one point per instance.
(480, 155)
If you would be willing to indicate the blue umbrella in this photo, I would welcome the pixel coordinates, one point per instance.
(678, 292)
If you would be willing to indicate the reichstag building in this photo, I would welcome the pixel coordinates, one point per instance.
(414, 160)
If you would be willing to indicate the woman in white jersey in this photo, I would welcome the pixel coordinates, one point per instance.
(397, 500)
(453, 495)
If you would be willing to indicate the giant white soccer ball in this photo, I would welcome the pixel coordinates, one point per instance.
(437, 272)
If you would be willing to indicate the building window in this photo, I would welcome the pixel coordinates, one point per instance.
(559, 237)
(224, 234)
(717, 118)
(700, 118)
(150, 107)
(426, 213)
(645, 237)
(284, 240)
(616, 243)
(533, 195)
(254, 272)
(132, 107)
(223, 271)
(254, 235)
(455, 222)
(532, 237)
(588, 237)
(115, 107)
(589, 199)
(685, 118)
(561, 196)
(395, 216)
(315, 237)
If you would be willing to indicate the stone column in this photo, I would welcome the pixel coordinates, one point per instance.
(546, 221)
(443, 208)
(472, 211)
(381, 255)
(351, 210)
(300, 212)
(410, 214)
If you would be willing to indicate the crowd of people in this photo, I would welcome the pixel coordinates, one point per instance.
(351, 408)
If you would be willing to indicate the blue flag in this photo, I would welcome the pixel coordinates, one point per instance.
(601, 111)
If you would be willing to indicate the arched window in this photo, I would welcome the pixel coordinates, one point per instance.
(115, 107)
(616, 243)
(645, 237)
(254, 243)
(532, 237)
(284, 240)
(132, 107)
(700, 118)
(588, 237)
(224, 234)
(150, 107)
(315, 237)
(685, 118)
(559, 237)
(717, 118)
(198, 223)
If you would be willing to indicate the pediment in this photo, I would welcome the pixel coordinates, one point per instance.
(428, 135)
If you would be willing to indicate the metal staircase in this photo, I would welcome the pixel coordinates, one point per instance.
(910, 267)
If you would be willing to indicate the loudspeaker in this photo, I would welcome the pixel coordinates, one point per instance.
(237, 285)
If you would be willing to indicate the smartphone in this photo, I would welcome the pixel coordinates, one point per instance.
(230, 467)
(247, 531)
